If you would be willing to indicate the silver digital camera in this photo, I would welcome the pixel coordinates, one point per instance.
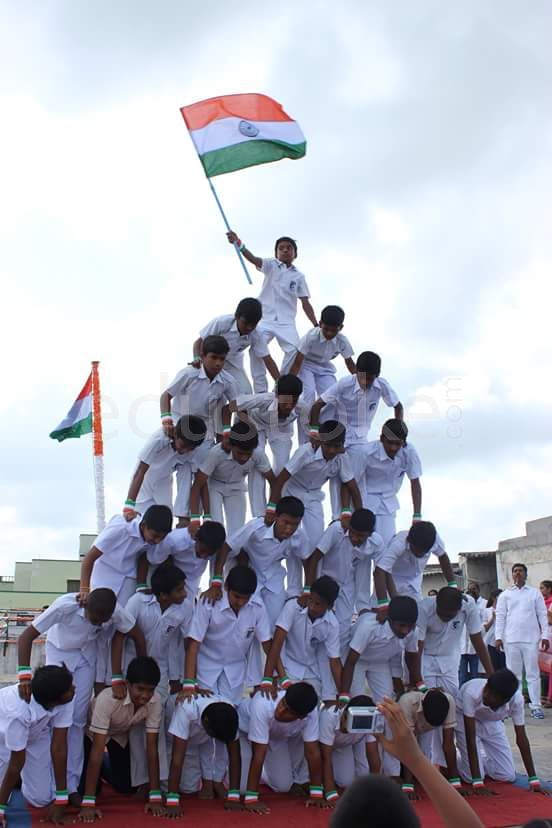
(364, 720)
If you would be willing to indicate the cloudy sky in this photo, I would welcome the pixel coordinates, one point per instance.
(422, 207)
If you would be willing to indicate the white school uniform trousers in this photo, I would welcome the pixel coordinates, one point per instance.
(309, 472)
(227, 486)
(493, 749)
(521, 623)
(182, 548)
(349, 758)
(194, 393)
(285, 763)
(72, 640)
(227, 327)
(308, 647)
(407, 570)
(28, 726)
(282, 286)
(201, 760)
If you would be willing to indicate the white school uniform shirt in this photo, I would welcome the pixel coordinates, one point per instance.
(227, 327)
(266, 552)
(159, 454)
(355, 407)
(182, 547)
(319, 351)
(309, 472)
(521, 615)
(162, 630)
(22, 723)
(407, 570)
(383, 475)
(262, 410)
(470, 703)
(282, 286)
(489, 637)
(71, 636)
(377, 643)
(220, 467)
(194, 393)
(306, 639)
(481, 605)
(226, 638)
(258, 723)
(121, 544)
(443, 639)
(340, 557)
(331, 733)
(186, 721)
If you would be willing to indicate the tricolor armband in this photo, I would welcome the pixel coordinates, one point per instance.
(534, 780)
(316, 792)
(62, 798)
(331, 795)
(233, 795)
(172, 800)
(117, 679)
(456, 782)
(155, 796)
(407, 787)
(250, 797)
(88, 801)
(24, 673)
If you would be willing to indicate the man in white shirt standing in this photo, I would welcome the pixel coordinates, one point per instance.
(469, 660)
(521, 621)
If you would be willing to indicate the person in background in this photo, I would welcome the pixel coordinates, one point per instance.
(546, 592)
(498, 658)
(469, 661)
(432, 593)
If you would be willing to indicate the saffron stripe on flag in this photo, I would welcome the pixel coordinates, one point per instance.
(249, 106)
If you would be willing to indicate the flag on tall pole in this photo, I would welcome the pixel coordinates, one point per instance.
(233, 132)
(85, 417)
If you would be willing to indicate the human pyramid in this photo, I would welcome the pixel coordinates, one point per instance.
(271, 674)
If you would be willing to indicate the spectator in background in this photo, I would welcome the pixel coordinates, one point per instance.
(546, 592)
(432, 593)
(489, 619)
(469, 661)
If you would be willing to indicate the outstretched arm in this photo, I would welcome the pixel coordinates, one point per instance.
(233, 238)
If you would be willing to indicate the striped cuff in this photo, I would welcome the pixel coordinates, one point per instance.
(88, 802)
(306, 590)
(316, 792)
(61, 798)
(452, 584)
(172, 800)
(344, 698)
(285, 682)
(270, 506)
(383, 602)
(477, 782)
(407, 787)
(422, 687)
(233, 795)
(250, 797)
(456, 782)
(155, 796)
(331, 795)
(141, 587)
(24, 673)
(117, 679)
(534, 780)
(346, 511)
(217, 580)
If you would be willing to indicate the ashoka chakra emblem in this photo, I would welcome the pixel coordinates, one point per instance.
(248, 129)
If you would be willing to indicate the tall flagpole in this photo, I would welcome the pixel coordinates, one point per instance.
(223, 214)
(97, 443)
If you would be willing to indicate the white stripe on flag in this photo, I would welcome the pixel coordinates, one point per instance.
(225, 132)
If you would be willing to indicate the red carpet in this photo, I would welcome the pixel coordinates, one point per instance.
(512, 806)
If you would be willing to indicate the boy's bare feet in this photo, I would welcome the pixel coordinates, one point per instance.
(207, 790)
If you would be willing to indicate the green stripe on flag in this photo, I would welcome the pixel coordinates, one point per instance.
(76, 430)
(248, 154)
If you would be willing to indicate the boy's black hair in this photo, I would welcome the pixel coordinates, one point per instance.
(166, 578)
(290, 385)
(519, 564)
(286, 239)
(50, 683)
(191, 429)
(404, 609)
(220, 720)
(436, 707)
(395, 430)
(249, 309)
(212, 534)
(332, 315)
(422, 535)
(547, 584)
(301, 698)
(102, 602)
(215, 345)
(449, 598)
(363, 520)
(360, 701)
(143, 670)
(332, 433)
(244, 435)
(376, 801)
(290, 505)
(242, 579)
(503, 683)
(158, 518)
(327, 589)
(369, 363)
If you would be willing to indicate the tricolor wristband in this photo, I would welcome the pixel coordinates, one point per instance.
(166, 415)
(417, 515)
(217, 580)
(189, 682)
(141, 587)
(452, 584)
(226, 429)
(233, 795)
(207, 516)
(346, 511)
(195, 518)
(407, 787)
(266, 681)
(24, 673)
(172, 800)
(285, 682)
(534, 780)
(117, 678)
(314, 428)
(62, 798)
(250, 797)
(316, 792)
(155, 796)
(3, 809)
(422, 687)
(306, 589)
(477, 782)
(270, 506)
(383, 602)
(129, 502)
(344, 698)
(331, 795)
(456, 782)
(88, 801)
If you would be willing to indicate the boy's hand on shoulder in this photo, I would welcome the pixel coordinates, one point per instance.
(24, 689)
(129, 514)
(270, 517)
(119, 690)
(212, 595)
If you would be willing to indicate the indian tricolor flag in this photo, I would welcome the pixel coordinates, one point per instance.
(79, 419)
(237, 131)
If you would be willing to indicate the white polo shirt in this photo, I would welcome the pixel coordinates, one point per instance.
(521, 615)
(258, 723)
(71, 636)
(227, 327)
(266, 552)
(355, 407)
(186, 721)
(470, 703)
(481, 605)
(262, 410)
(121, 544)
(22, 723)
(309, 471)
(159, 454)
(321, 351)
(162, 630)
(226, 638)
(282, 286)
(443, 639)
(182, 547)
(331, 733)
(340, 556)
(489, 636)
(306, 639)
(377, 644)
(220, 467)
(383, 475)
(407, 570)
(194, 393)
